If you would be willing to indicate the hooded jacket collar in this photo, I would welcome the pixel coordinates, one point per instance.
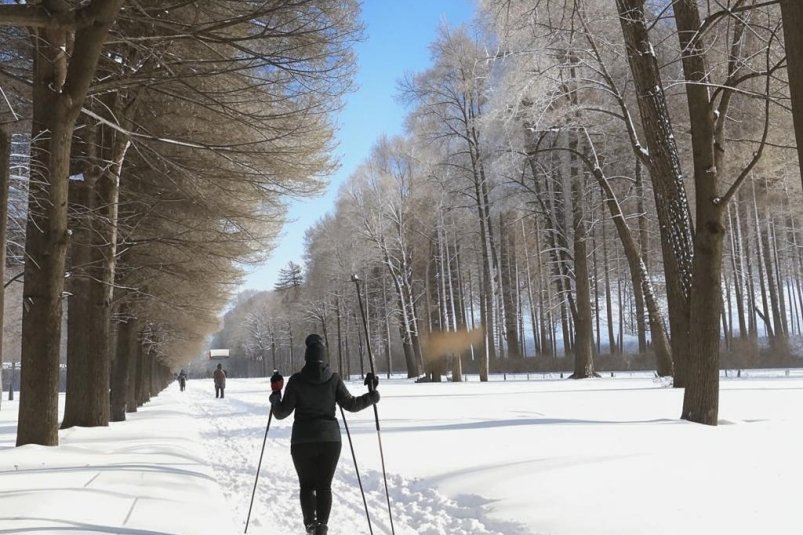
(316, 372)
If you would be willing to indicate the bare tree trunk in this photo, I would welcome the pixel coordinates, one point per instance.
(405, 329)
(388, 355)
(493, 269)
(486, 292)
(348, 351)
(463, 315)
(643, 233)
(59, 88)
(766, 313)
(292, 341)
(530, 299)
(792, 11)
(544, 300)
(612, 347)
(458, 283)
(520, 309)
(142, 360)
(663, 163)
(621, 305)
(557, 239)
(640, 278)
(560, 248)
(428, 286)
(584, 343)
(744, 232)
(127, 333)
(485, 320)
(797, 270)
(45, 247)
(134, 363)
(339, 338)
(151, 375)
(727, 322)
(597, 309)
(360, 347)
(80, 325)
(794, 312)
(701, 398)
(5, 182)
(789, 284)
(432, 363)
(455, 303)
(94, 245)
(506, 260)
(764, 231)
(738, 271)
(777, 273)
(273, 348)
(639, 312)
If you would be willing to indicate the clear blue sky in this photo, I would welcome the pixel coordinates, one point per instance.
(397, 41)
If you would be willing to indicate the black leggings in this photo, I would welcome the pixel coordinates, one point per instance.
(315, 464)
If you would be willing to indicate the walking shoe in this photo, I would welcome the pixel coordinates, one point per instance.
(322, 529)
(311, 528)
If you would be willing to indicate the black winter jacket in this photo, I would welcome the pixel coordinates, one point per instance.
(312, 393)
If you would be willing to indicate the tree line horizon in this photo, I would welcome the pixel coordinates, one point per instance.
(568, 167)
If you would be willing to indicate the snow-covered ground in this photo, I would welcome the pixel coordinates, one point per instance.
(603, 456)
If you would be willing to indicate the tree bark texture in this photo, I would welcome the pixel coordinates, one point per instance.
(663, 164)
(135, 358)
(584, 329)
(792, 12)
(5, 183)
(506, 263)
(701, 398)
(127, 334)
(59, 89)
(93, 254)
(640, 278)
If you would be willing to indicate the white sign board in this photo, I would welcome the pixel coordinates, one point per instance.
(218, 353)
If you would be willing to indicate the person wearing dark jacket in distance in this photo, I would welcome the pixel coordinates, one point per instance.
(220, 381)
(315, 440)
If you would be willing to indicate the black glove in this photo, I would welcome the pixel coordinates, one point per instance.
(373, 397)
(276, 381)
(275, 397)
(371, 381)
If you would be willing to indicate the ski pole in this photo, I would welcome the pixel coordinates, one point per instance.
(357, 470)
(259, 466)
(356, 280)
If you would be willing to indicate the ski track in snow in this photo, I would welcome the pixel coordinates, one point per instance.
(233, 434)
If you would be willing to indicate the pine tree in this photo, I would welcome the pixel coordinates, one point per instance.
(290, 276)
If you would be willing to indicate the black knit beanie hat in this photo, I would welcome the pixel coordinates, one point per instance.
(316, 351)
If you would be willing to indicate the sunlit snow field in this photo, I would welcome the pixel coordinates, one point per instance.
(602, 456)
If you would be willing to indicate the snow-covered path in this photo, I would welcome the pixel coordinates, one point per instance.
(548, 457)
(233, 430)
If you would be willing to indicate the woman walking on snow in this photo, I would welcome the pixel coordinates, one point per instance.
(315, 442)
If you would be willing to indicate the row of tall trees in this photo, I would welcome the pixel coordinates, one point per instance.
(164, 140)
(584, 177)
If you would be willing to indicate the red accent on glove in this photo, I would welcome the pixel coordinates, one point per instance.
(276, 382)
